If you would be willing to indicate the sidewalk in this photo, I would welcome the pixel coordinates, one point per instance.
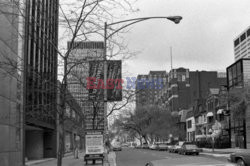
(112, 159)
(221, 152)
(69, 160)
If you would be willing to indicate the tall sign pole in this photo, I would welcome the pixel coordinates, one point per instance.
(105, 81)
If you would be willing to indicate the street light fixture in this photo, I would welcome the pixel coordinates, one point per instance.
(175, 19)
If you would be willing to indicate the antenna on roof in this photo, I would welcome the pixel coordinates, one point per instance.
(171, 58)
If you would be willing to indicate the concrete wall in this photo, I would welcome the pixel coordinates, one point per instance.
(10, 112)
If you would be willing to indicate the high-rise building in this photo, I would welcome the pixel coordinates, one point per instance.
(242, 45)
(238, 81)
(40, 78)
(149, 87)
(178, 89)
(11, 117)
(81, 53)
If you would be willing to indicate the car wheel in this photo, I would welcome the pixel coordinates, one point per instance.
(240, 162)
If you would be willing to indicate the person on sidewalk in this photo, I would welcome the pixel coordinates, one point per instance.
(76, 152)
(108, 146)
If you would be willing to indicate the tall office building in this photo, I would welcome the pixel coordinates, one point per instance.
(242, 45)
(150, 87)
(40, 78)
(238, 81)
(81, 53)
(11, 117)
(179, 89)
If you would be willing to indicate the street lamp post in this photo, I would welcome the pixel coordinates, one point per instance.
(175, 19)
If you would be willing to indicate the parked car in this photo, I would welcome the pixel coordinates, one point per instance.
(171, 149)
(117, 148)
(125, 145)
(145, 146)
(153, 147)
(242, 158)
(189, 149)
(176, 147)
(162, 146)
(138, 146)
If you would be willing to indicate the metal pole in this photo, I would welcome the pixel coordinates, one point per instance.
(213, 143)
(105, 61)
(105, 80)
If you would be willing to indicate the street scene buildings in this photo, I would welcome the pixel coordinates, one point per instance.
(63, 99)
(202, 99)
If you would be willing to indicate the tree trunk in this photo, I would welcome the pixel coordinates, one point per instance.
(145, 139)
(61, 143)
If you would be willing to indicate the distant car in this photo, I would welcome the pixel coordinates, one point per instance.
(153, 147)
(145, 146)
(189, 149)
(175, 148)
(162, 147)
(171, 149)
(125, 145)
(117, 148)
(242, 158)
(138, 146)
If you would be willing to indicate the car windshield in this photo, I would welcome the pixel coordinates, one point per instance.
(124, 82)
(191, 146)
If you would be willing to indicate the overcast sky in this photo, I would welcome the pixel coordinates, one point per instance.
(202, 41)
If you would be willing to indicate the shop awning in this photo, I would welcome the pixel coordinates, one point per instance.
(220, 111)
(210, 114)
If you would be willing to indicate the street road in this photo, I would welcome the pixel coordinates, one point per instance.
(139, 157)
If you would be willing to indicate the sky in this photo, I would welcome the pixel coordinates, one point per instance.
(202, 41)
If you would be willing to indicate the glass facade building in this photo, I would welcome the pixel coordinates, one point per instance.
(40, 77)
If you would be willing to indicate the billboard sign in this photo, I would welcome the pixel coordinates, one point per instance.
(95, 81)
(94, 143)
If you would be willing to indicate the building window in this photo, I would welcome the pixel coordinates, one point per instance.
(183, 78)
(205, 118)
(242, 37)
(235, 75)
(189, 124)
(248, 32)
(236, 42)
(210, 119)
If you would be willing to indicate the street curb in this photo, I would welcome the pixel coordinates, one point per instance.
(31, 163)
(216, 154)
(39, 161)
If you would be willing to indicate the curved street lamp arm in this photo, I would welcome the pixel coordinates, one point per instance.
(175, 19)
(144, 18)
(124, 27)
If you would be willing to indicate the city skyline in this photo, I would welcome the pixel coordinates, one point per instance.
(203, 40)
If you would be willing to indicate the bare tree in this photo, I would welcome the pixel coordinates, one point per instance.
(150, 123)
(79, 20)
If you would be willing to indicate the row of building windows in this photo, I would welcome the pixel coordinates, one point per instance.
(241, 38)
(235, 74)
